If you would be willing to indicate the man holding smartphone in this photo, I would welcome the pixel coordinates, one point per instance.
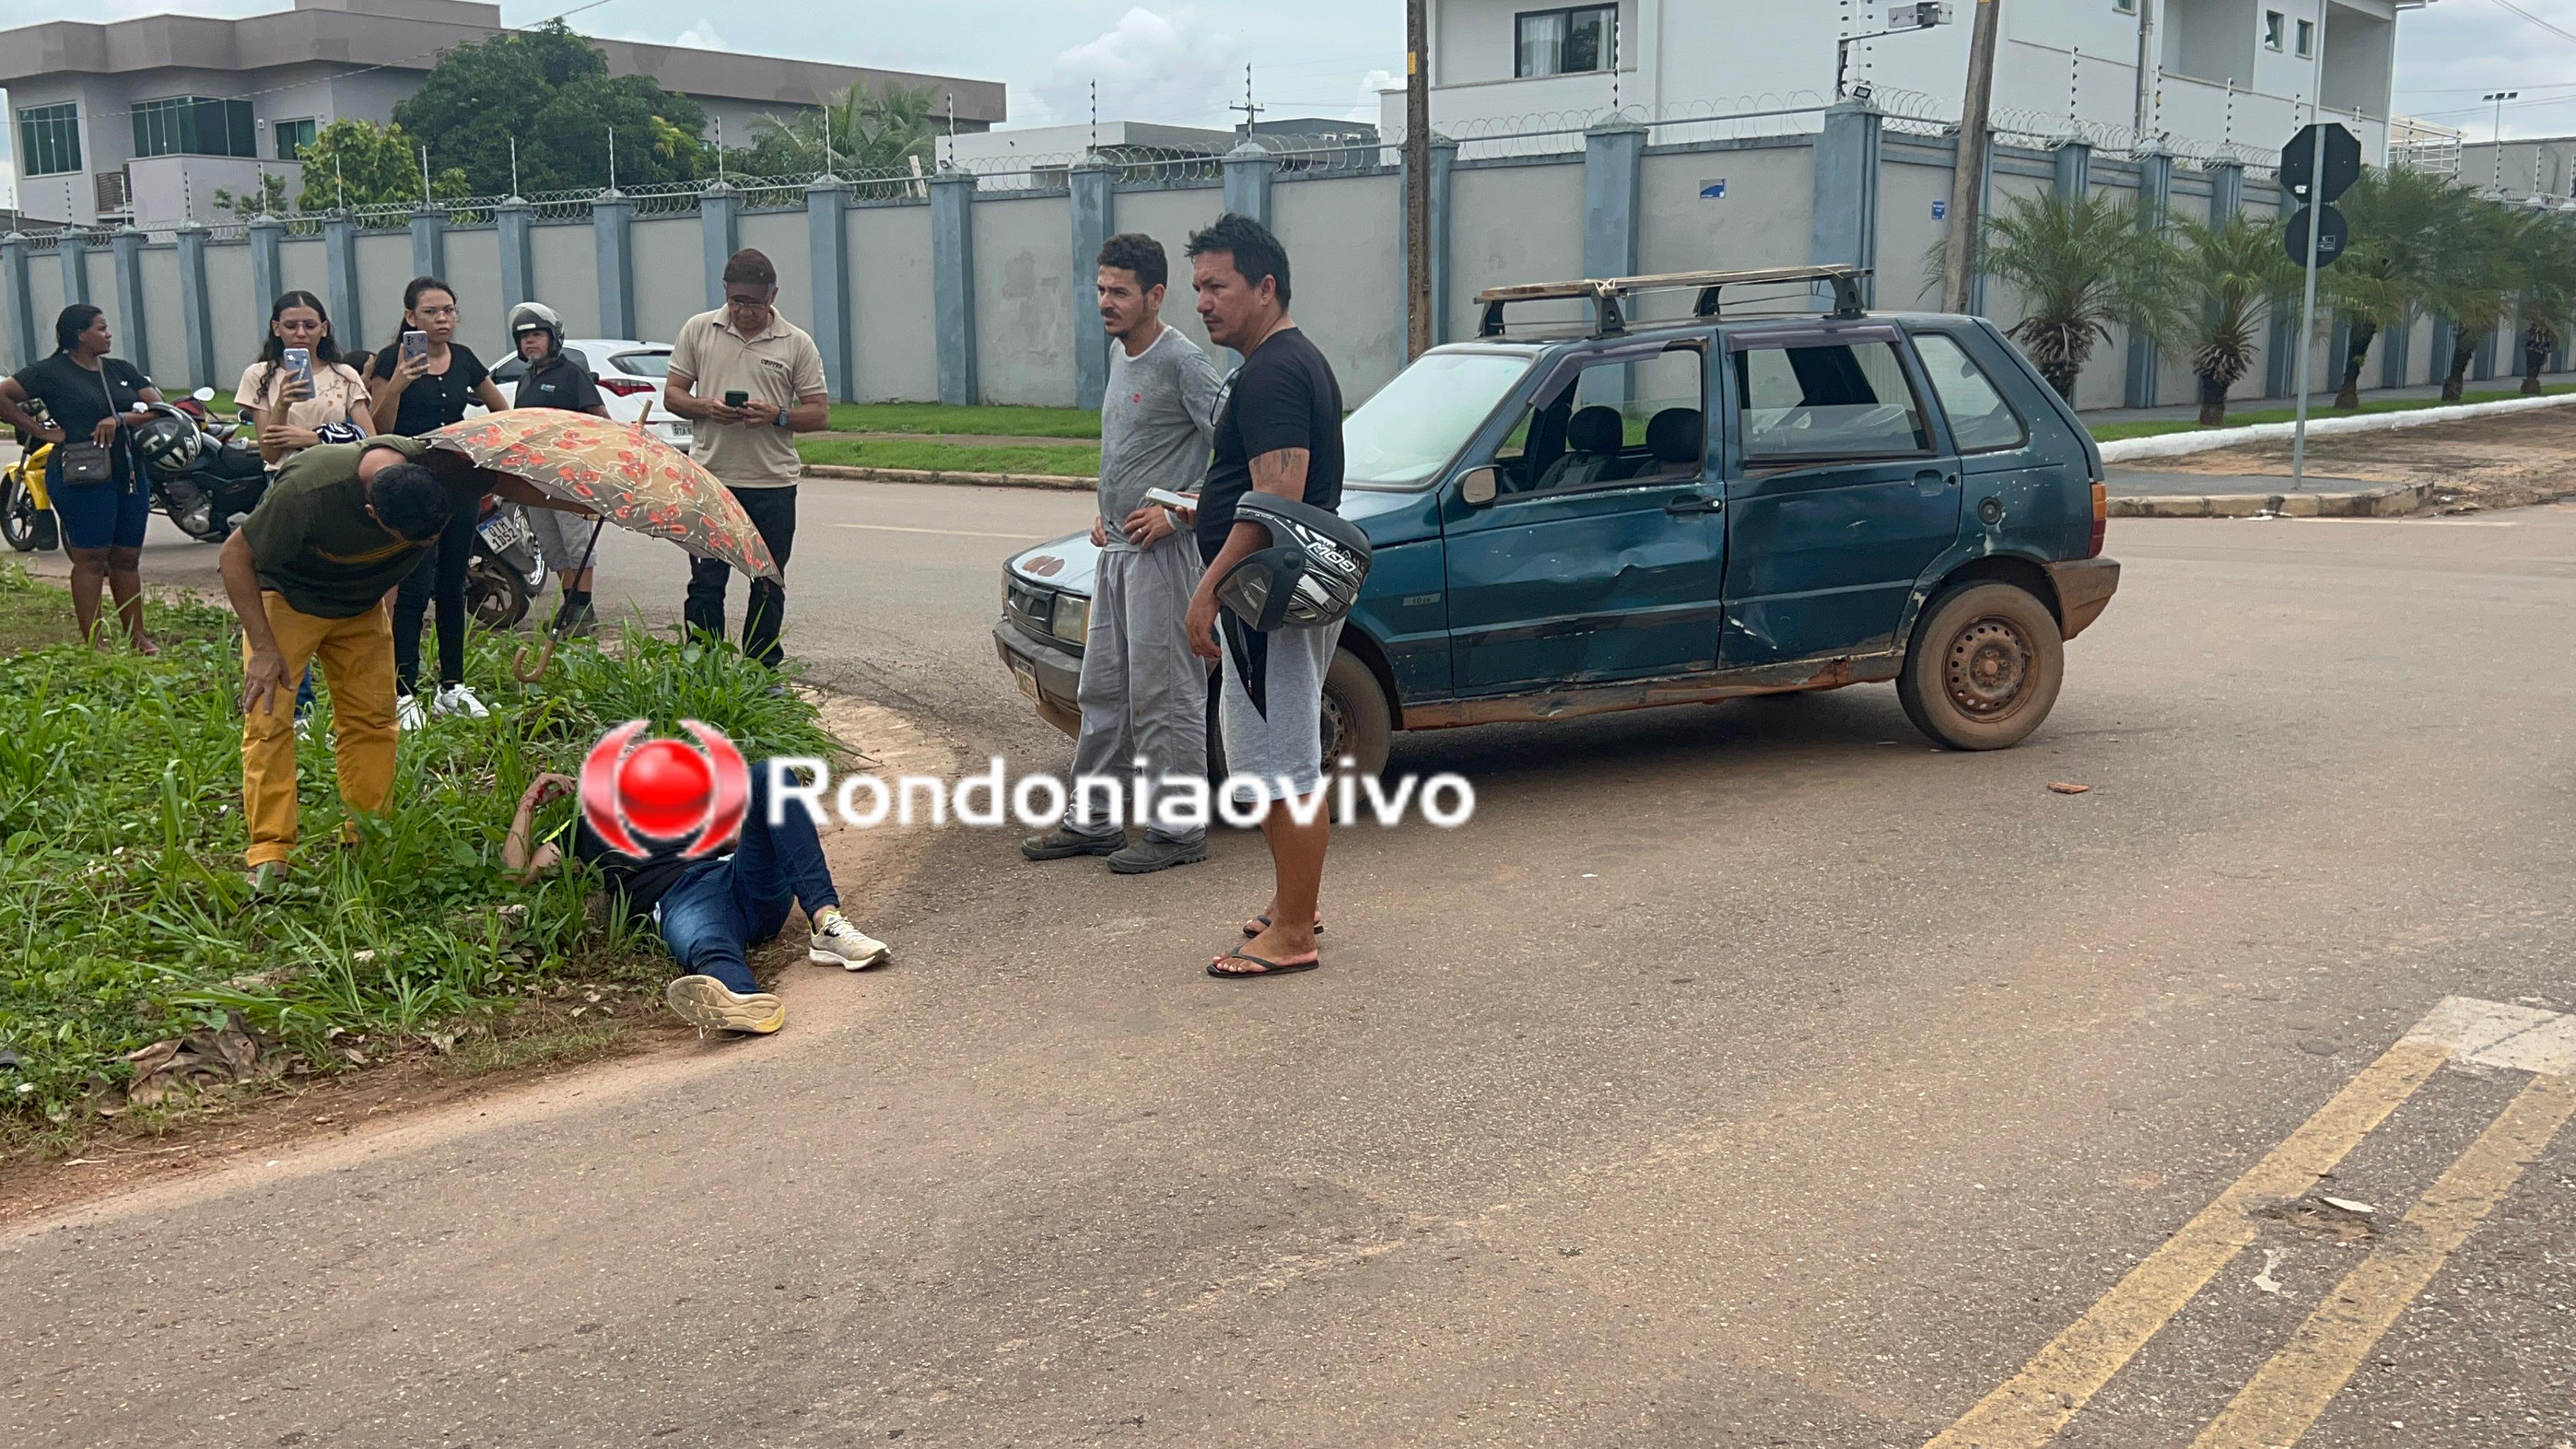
(1143, 694)
(750, 380)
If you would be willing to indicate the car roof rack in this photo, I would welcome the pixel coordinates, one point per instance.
(1607, 294)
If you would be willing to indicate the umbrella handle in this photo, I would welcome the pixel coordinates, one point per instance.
(527, 673)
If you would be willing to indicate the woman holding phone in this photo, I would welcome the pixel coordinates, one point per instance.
(98, 490)
(420, 383)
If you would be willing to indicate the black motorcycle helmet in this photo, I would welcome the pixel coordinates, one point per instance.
(169, 443)
(1309, 575)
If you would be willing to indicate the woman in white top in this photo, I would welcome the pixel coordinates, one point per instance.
(288, 412)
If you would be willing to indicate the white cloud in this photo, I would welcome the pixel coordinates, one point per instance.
(1152, 65)
(1366, 108)
(701, 36)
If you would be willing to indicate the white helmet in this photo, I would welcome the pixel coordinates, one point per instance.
(535, 317)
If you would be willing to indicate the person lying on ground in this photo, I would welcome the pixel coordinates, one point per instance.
(711, 912)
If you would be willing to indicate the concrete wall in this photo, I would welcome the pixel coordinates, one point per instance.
(1508, 220)
(890, 309)
(1023, 300)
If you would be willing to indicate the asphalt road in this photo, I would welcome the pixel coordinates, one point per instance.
(1741, 1075)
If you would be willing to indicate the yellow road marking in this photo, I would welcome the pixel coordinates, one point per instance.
(2281, 1401)
(2029, 1408)
(942, 532)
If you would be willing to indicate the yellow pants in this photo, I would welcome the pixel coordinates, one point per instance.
(357, 657)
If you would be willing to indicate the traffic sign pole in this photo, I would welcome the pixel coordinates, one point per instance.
(2316, 231)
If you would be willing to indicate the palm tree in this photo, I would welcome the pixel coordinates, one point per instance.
(2234, 274)
(2082, 266)
(2399, 220)
(2548, 300)
(858, 131)
(2476, 284)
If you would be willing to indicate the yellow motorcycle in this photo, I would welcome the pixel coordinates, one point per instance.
(26, 514)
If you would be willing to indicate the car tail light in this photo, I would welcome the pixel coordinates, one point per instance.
(2101, 518)
(625, 386)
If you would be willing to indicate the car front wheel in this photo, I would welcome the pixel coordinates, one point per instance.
(1983, 668)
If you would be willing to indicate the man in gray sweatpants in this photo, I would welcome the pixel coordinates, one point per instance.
(1144, 693)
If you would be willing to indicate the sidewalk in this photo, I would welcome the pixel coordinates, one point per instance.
(2324, 400)
(2141, 493)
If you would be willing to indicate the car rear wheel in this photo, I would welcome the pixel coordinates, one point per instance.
(1983, 668)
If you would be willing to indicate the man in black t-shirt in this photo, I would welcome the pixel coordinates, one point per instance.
(1279, 430)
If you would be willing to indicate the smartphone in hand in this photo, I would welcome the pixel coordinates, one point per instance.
(737, 398)
(415, 344)
(299, 366)
(1185, 502)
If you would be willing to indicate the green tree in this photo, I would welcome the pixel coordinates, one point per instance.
(2400, 220)
(360, 163)
(2548, 299)
(2233, 275)
(869, 132)
(550, 91)
(268, 198)
(2082, 266)
(2476, 280)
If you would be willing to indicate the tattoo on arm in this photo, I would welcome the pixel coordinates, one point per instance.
(1281, 473)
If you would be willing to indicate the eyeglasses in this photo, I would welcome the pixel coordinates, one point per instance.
(748, 304)
(448, 311)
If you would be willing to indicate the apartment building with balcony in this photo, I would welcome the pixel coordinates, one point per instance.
(2191, 74)
(144, 120)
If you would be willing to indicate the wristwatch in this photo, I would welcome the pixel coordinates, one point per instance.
(780, 419)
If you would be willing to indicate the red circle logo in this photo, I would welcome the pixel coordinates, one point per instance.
(665, 790)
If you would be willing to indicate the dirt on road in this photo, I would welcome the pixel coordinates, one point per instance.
(2505, 460)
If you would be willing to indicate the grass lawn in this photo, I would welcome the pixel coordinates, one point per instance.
(940, 418)
(1067, 462)
(2113, 432)
(122, 897)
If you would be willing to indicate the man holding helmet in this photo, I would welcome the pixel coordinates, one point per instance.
(1282, 569)
(556, 381)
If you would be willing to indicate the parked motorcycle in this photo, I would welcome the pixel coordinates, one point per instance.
(206, 476)
(505, 571)
(26, 524)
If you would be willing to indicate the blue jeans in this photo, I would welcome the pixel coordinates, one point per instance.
(721, 908)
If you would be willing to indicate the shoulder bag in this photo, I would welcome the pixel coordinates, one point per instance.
(80, 462)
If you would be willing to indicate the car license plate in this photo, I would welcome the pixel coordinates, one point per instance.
(504, 531)
(1028, 679)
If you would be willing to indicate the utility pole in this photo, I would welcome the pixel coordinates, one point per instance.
(1417, 178)
(2149, 67)
(1967, 179)
(2499, 97)
(2308, 292)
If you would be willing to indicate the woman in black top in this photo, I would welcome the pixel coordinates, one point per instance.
(91, 397)
(411, 396)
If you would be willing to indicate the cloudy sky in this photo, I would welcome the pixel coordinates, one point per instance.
(1182, 61)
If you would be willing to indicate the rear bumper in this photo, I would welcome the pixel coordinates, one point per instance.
(1051, 677)
(2084, 590)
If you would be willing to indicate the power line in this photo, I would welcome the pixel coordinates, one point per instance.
(2566, 35)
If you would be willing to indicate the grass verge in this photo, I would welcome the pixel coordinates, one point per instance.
(124, 912)
(1067, 462)
(937, 418)
(2114, 432)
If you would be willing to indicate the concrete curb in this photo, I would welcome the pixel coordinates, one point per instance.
(2389, 502)
(937, 475)
(2176, 445)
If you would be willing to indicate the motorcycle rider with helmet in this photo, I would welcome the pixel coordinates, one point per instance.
(553, 380)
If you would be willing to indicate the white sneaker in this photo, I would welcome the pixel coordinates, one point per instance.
(837, 942)
(407, 713)
(458, 699)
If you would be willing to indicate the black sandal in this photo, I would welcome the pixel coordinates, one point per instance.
(1252, 931)
(1268, 968)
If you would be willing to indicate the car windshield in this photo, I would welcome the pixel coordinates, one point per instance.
(1418, 422)
(643, 364)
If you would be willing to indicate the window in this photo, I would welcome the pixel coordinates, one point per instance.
(1623, 418)
(1980, 420)
(194, 126)
(2125, 7)
(2307, 39)
(1413, 426)
(49, 140)
(292, 138)
(2274, 22)
(1567, 42)
(1840, 400)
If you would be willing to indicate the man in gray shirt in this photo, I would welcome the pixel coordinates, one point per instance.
(1143, 694)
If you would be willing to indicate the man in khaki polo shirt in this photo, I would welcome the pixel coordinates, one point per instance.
(749, 380)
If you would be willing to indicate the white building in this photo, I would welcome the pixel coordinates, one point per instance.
(2219, 73)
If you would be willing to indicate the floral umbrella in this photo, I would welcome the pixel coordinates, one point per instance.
(625, 474)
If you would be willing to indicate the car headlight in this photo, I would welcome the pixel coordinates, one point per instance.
(1072, 622)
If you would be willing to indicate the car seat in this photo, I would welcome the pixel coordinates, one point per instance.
(1678, 439)
(1593, 436)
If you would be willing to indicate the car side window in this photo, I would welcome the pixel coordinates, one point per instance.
(1614, 422)
(1837, 400)
(1980, 419)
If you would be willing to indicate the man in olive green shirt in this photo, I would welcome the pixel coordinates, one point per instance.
(307, 574)
(749, 380)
